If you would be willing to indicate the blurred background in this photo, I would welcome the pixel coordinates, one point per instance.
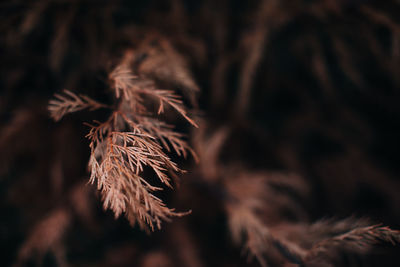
(298, 108)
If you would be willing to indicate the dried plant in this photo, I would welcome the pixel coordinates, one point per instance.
(129, 142)
(291, 108)
(70, 102)
(359, 240)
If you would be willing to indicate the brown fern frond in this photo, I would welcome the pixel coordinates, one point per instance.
(69, 102)
(246, 227)
(117, 162)
(131, 141)
(327, 228)
(357, 240)
(253, 194)
(324, 241)
(173, 100)
(123, 79)
(134, 88)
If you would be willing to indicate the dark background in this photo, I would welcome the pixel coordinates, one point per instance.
(323, 103)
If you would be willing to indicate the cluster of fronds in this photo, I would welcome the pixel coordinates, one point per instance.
(299, 102)
(130, 141)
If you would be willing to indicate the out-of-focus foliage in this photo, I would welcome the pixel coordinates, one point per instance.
(275, 122)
